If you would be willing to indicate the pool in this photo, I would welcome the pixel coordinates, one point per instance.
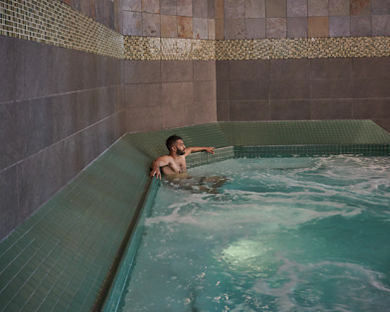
(282, 234)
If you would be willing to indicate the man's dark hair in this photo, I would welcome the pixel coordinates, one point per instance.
(171, 141)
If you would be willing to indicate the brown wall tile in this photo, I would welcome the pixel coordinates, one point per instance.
(219, 9)
(184, 7)
(289, 89)
(168, 7)
(296, 27)
(339, 7)
(219, 29)
(276, 27)
(131, 5)
(200, 9)
(151, 25)
(184, 27)
(211, 29)
(255, 28)
(276, 8)
(151, 6)
(249, 110)
(360, 26)
(371, 108)
(331, 109)
(290, 109)
(317, 7)
(204, 70)
(255, 8)
(176, 71)
(235, 28)
(318, 27)
(234, 9)
(297, 8)
(380, 7)
(360, 7)
(200, 28)
(381, 25)
(168, 26)
(339, 26)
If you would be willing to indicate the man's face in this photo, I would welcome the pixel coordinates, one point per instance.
(180, 147)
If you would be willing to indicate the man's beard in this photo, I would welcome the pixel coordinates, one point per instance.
(180, 152)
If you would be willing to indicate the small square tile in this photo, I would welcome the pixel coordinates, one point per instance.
(168, 26)
(276, 8)
(255, 28)
(150, 25)
(381, 25)
(360, 26)
(296, 8)
(184, 27)
(318, 27)
(317, 7)
(339, 7)
(234, 9)
(235, 28)
(339, 26)
(254, 8)
(168, 7)
(200, 28)
(360, 7)
(380, 7)
(296, 27)
(151, 6)
(184, 7)
(276, 27)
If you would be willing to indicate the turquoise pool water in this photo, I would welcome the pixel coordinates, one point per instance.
(283, 234)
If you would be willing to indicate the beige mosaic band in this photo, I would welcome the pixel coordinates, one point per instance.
(55, 23)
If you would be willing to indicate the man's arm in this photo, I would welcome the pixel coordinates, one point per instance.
(190, 150)
(160, 162)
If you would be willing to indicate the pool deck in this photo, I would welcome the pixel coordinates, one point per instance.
(64, 258)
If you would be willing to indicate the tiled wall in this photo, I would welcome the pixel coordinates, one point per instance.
(302, 89)
(254, 19)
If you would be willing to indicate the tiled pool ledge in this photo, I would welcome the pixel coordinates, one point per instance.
(66, 255)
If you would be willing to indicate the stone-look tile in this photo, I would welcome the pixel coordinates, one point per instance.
(105, 13)
(219, 9)
(132, 23)
(336, 68)
(223, 90)
(255, 28)
(151, 6)
(204, 91)
(290, 109)
(142, 71)
(371, 108)
(249, 110)
(151, 119)
(339, 26)
(234, 9)
(330, 88)
(331, 109)
(211, 28)
(142, 95)
(248, 90)
(150, 25)
(184, 7)
(360, 26)
(276, 8)
(297, 8)
(293, 70)
(184, 27)
(219, 28)
(371, 68)
(131, 5)
(168, 26)
(223, 110)
(176, 98)
(276, 27)
(204, 70)
(211, 8)
(254, 8)
(360, 7)
(235, 28)
(375, 88)
(381, 25)
(200, 28)
(168, 7)
(176, 71)
(9, 208)
(318, 27)
(317, 7)
(202, 112)
(296, 27)
(200, 8)
(246, 70)
(380, 7)
(289, 89)
(339, 7)
(8, 69)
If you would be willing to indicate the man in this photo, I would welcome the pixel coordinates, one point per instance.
(175, 161)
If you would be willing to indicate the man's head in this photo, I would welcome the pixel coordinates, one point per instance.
(176, 145)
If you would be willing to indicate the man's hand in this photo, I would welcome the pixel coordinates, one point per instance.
(156, 173)
(210, 150)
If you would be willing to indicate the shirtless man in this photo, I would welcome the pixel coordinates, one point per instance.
(175, 161)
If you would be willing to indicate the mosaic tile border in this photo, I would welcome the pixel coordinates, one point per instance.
(55, 23)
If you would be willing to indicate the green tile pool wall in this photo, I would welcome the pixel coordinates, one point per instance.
(65, 256)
